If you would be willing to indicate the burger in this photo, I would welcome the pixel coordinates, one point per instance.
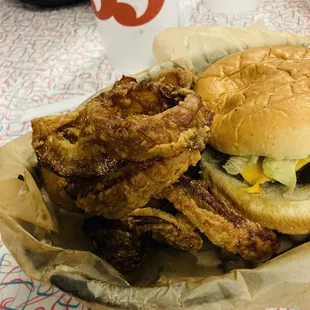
(260, 137)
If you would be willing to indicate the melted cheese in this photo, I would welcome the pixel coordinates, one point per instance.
(302, 162)
(255, 176)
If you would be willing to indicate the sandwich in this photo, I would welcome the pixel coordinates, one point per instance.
(258, 162)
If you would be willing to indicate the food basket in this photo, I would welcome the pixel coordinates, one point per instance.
(50, 246)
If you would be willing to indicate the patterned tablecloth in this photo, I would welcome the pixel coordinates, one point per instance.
(47, 56)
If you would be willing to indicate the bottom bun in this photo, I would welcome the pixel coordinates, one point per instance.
(272, 207)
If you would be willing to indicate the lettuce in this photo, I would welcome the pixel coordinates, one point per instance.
(237, 164)
(283, 171)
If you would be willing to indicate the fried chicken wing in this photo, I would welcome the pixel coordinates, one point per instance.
(137, 189)
(223, 226)
(133, 121)
(176, 231)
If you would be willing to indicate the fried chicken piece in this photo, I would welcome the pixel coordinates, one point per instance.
(175, 231)
(142, 137)
(137, 189)
(177, 77)
(223, 226)
(122, 247)
(64, 190)
(136, 121)
(55, 141)
(132, 98)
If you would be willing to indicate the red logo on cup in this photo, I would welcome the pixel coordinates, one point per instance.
(125, 14)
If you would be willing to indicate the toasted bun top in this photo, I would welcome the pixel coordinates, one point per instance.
(261, 100)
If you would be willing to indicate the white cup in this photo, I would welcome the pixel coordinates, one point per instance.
(232, 6)
(128, 27)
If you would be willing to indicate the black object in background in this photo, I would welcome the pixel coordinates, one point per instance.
(52, 3)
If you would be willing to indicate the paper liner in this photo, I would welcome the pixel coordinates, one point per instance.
(197, 47)
(168, 278)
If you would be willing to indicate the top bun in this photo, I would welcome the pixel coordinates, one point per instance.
(261, 100)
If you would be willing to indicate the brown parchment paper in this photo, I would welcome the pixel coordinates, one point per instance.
(50, 246)
(197, 47)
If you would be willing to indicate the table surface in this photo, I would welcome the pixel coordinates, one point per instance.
(47, 56)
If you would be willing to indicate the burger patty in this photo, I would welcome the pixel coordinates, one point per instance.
(303, 175)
